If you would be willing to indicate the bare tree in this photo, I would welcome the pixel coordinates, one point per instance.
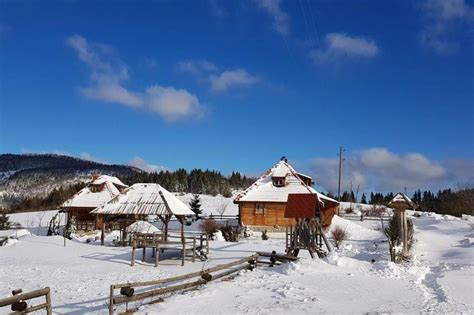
(40, 216)
(222, 206)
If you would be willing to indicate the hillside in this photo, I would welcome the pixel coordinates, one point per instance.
(44, 181)
(38, 174)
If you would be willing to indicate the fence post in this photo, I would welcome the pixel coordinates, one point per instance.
(49, 309)
(111, 301)
(194, 248)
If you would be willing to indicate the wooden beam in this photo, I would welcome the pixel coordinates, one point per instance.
(188, 275)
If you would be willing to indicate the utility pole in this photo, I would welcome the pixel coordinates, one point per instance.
(340, 174)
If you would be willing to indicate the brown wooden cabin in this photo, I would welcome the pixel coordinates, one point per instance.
(264, 202)
(97, 192)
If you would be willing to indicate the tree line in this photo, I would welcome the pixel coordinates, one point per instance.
(447, 201)
(197, 181)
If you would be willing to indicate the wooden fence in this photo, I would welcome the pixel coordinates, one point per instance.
(127, 290)
(355, 217)
(19, 305)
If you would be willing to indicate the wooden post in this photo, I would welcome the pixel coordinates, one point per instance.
(132, 263)
(49, 309)
(102, 233)
(111, 300)
(183, 242)
(166, 227)
(404, 231)
(157, 255)
(194, 248)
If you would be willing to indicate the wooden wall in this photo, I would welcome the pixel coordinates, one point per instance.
(275, 214)
(82, 214)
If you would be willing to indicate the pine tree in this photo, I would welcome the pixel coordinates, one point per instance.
(4, 221)
(54, 225)
(195, 205)
(70, 228)
(363, 199)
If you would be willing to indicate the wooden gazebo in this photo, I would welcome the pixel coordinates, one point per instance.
(140, 200)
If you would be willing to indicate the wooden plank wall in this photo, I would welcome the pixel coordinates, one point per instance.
(275, 215)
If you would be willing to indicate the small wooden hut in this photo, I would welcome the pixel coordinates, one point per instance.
(98, 191)
(264, 202)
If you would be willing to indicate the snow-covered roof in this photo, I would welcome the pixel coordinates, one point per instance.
(263, 189)
(401, 198)
(145, 199)
(142, 227)
(106, 178)
(86, 198)
(280, 170)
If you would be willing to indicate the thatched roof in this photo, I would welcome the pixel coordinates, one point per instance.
(145, 199)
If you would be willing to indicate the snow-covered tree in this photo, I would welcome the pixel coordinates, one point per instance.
(4, 221)
(70, 228)
(195, 205)
(53, 228)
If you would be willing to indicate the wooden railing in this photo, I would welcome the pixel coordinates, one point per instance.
(127, 290)
(19, 305)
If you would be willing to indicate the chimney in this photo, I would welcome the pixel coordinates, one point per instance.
(95, 176)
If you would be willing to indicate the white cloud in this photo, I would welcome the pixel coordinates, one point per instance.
(281, 19)
(339, 46)
(140, 163)
(442, 18)
(172, 104)
(108, 75)
(219, 80)
(382, 170)
(232, 78)
(196, 67)
(90, 157)
(112, 92)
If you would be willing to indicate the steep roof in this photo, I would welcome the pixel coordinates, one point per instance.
(263, 189)
(86, 198)
(145, 199)
(106, 178)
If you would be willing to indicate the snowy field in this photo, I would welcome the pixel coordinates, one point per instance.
(438, 279)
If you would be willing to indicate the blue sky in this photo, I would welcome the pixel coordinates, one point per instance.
(234, 85)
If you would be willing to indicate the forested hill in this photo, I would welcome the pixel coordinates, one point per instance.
(31, 181)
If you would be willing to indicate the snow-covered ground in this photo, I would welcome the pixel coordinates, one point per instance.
(438, 279)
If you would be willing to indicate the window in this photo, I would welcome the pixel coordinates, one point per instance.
(259, 208)
(278, 181)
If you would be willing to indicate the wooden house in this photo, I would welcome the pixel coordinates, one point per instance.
(264, 202)
(98, 191)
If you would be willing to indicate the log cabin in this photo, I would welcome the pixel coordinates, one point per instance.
(98, 191)
(263, 203)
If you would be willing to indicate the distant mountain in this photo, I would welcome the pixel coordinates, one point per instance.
(44, 181)
(39, 174)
